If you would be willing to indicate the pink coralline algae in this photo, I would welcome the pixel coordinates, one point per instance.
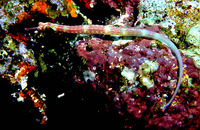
(191, 70)
(108, 59)
(129, 7)
(136, 103)
(121, 4)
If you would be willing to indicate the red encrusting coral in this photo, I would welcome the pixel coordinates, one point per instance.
(88, 3)
(192, 71)
(121, 3)
(40, 6)
(19, 36)
(23, 16)
(71, 8)
(127, 7)
(25, 69)
(30, 94)
(139, 103)
(95, 46)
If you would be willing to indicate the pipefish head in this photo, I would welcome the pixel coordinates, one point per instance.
(41, 26)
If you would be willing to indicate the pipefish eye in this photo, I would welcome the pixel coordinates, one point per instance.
(43, 26)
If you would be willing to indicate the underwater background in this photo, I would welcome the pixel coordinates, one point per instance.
(64, 80)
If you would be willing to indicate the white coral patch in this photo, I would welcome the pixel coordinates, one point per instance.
(20, 99)
(22, 48)
(61, 95)
(146, 81)
(148, 67)
(193, 36)
(145, 70)
(129, 74)
(121, 42)
(24, 82)
(194, 54)
(89, 75)
(121, 20)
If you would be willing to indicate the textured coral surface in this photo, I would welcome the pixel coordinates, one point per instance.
(55, 79)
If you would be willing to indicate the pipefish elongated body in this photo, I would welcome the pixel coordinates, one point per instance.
(120, 31)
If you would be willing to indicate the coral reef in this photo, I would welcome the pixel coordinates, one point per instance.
(193, 38)
(59, 79)
(175, 17)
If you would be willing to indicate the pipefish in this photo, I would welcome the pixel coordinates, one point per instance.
(120, 31)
